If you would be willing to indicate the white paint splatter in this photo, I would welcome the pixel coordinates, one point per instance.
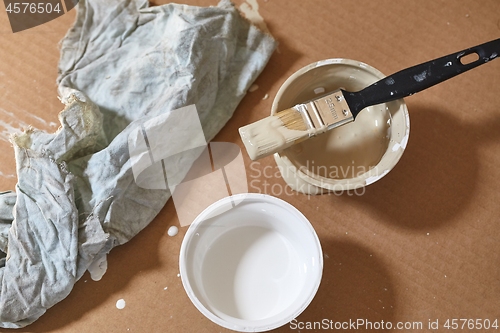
(172, 231)
(266, 96)
(402, 144)
(41, 120)
(165, 288)
(389, 81)
(120, 304)
(3, 175)
(420, 77)
(250, 10)
(319, 90)
(253, 88)
(396, 146)
(373, 179)
(404, 141)
(7, 128)
(10, 123)
(98, 268)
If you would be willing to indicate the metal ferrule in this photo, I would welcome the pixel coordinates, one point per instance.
(326, 112)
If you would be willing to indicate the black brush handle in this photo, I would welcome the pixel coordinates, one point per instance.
(417, 78)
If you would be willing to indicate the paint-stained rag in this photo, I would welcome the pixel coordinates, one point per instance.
(121, 64)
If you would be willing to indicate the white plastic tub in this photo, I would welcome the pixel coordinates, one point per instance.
(251, 262)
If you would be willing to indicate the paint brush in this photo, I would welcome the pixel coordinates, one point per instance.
(305, 120)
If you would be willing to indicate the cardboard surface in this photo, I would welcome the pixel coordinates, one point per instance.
(420, 245)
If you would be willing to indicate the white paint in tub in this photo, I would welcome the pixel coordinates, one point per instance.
(251, 267)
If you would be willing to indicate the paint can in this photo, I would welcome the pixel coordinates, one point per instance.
(353, 155)
(251, 262)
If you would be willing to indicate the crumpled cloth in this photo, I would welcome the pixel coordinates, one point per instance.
(122, 63)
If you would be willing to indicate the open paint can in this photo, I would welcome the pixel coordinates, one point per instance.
(350, 156)
(251, 262)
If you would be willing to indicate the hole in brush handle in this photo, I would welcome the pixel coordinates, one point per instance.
(469, 58)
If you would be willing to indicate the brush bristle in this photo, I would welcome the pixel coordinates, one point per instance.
(292, 119)
(274, 133)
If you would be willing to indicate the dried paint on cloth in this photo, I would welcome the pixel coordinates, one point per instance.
(121, 64)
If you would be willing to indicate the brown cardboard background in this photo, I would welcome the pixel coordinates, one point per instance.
(421, 244)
